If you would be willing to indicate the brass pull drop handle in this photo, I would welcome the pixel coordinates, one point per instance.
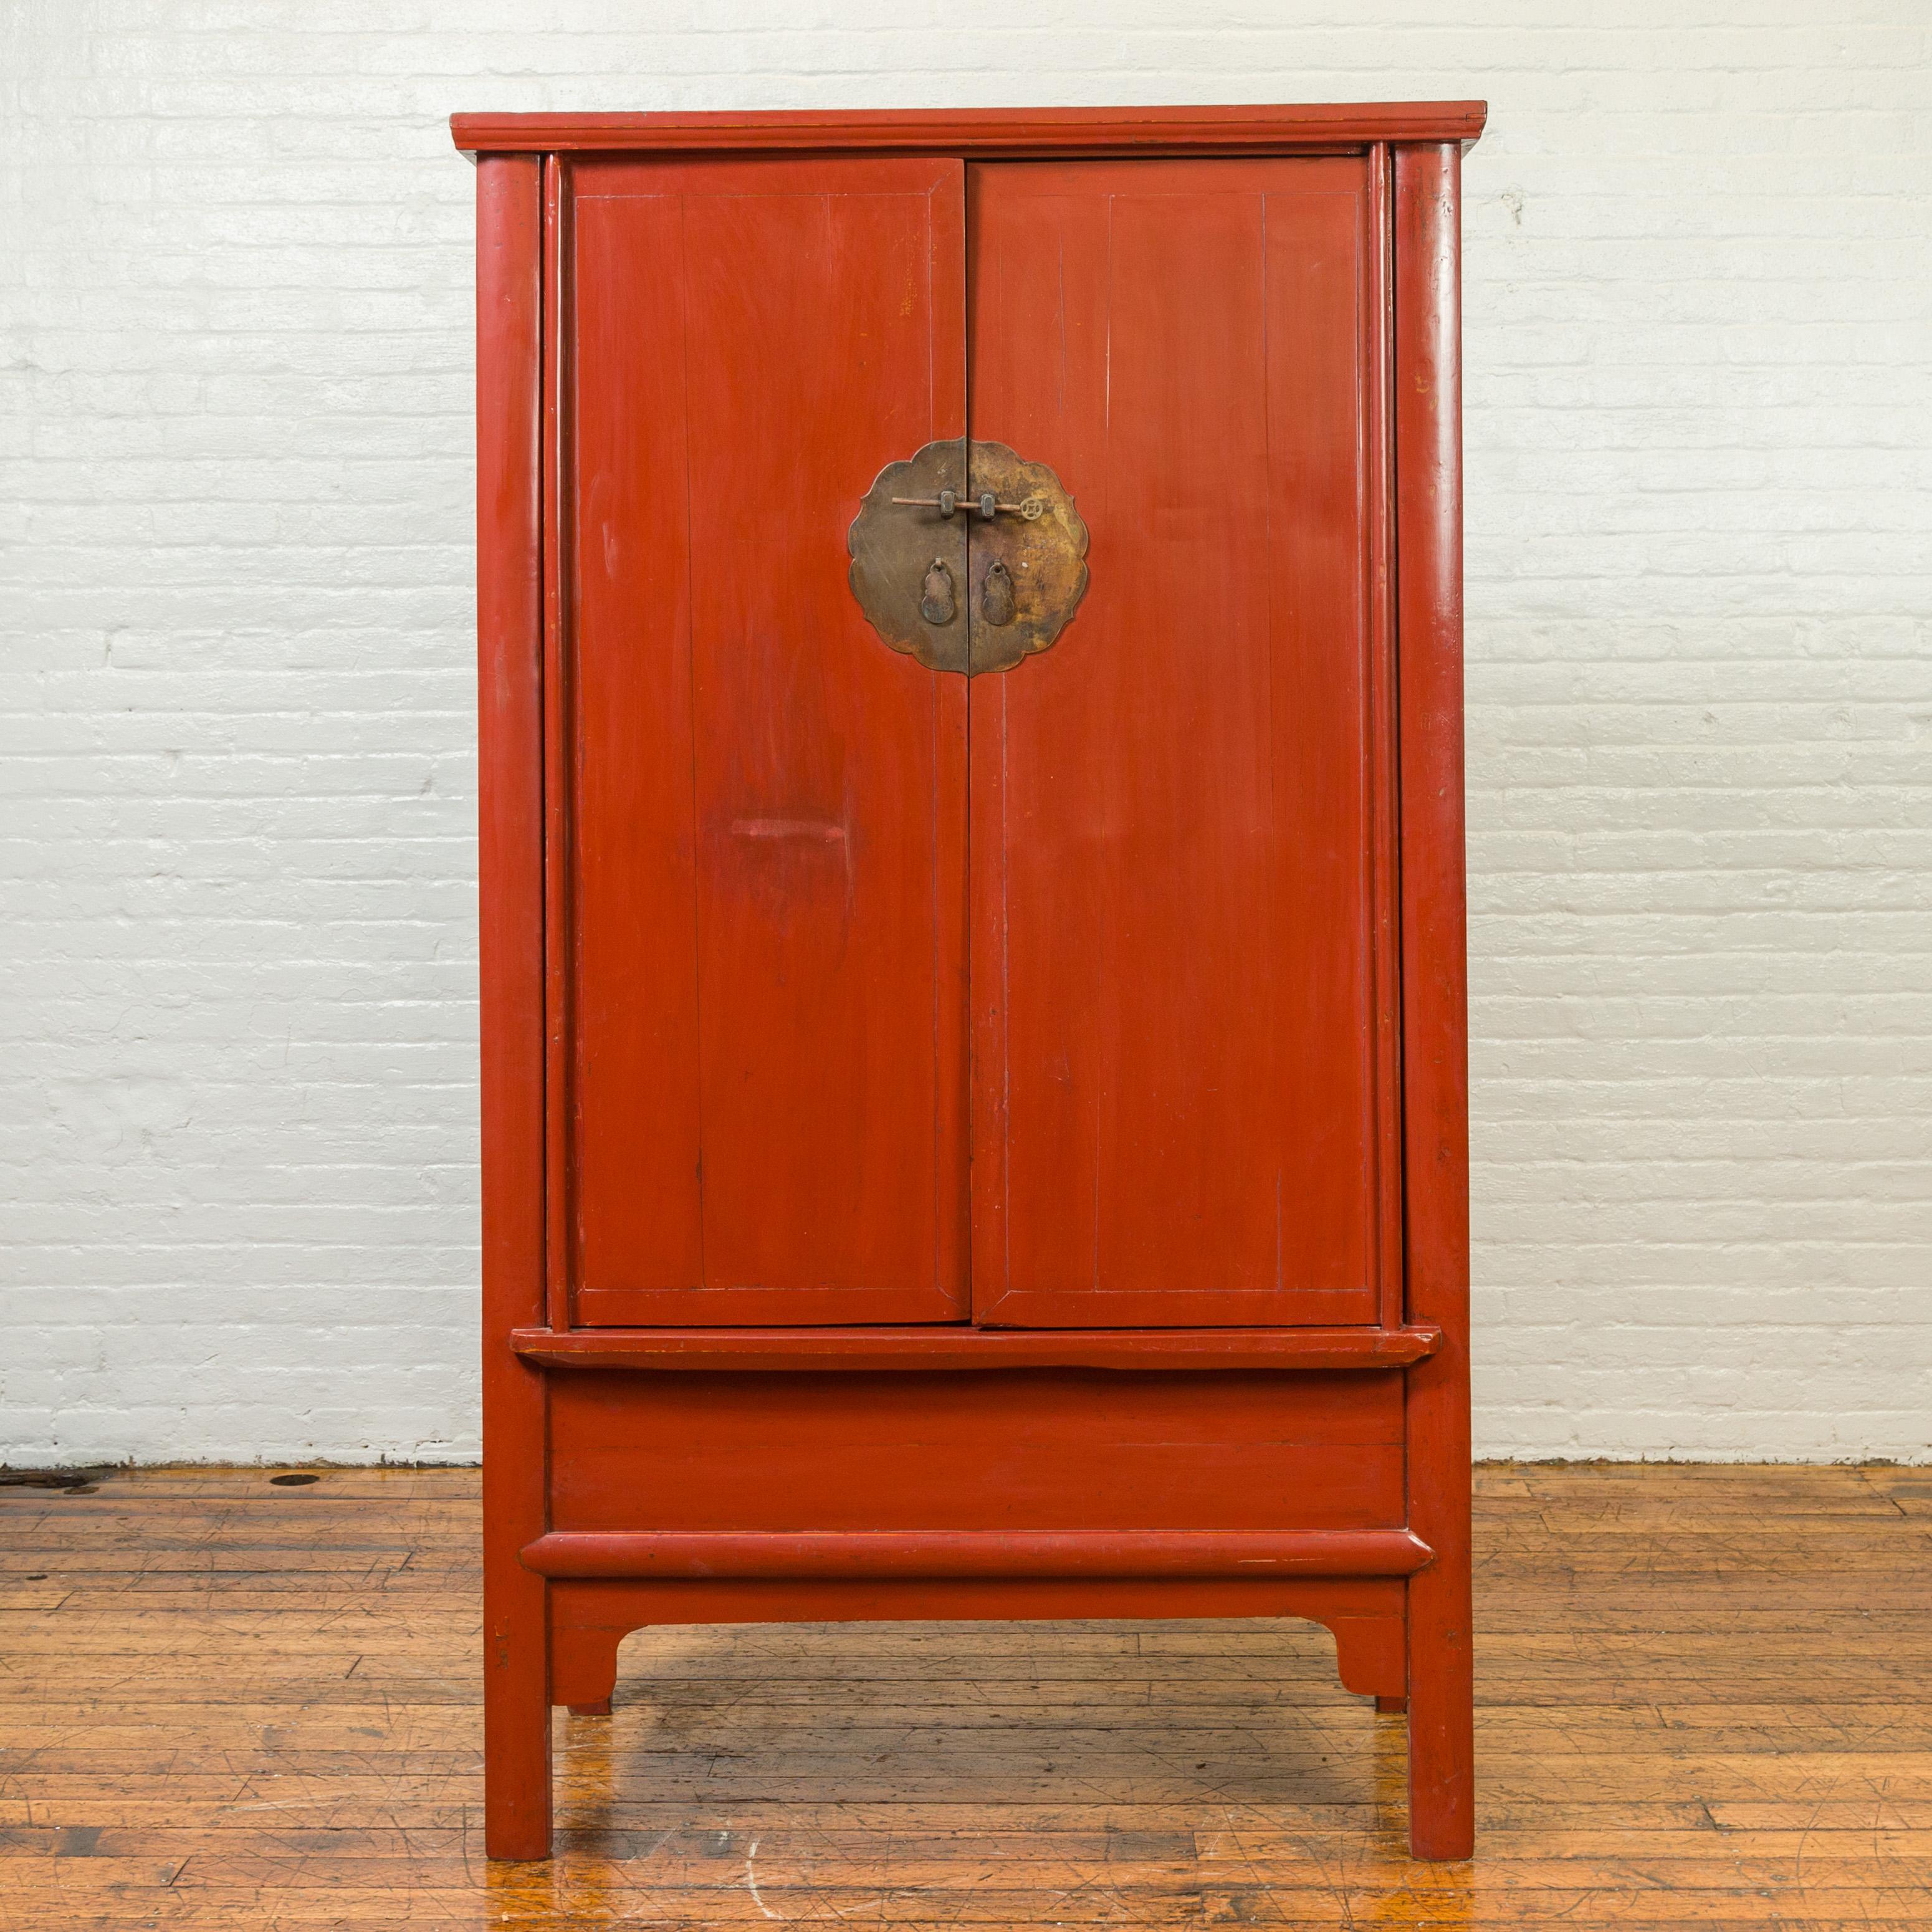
(936, 604)
(997, 602)
(1031, 508)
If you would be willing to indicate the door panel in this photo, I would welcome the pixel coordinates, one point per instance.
(1180, 1095)
(767, 1053)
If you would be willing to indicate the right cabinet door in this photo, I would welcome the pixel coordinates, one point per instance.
(1183, 1091)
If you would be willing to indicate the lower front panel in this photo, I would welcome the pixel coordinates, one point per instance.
(1028, 1449)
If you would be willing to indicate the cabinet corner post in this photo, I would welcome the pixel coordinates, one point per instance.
(1429, 508)
(517, 1723)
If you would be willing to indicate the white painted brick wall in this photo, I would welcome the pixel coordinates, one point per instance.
(239, 1120)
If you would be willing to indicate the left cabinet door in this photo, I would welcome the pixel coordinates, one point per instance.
(761, 807)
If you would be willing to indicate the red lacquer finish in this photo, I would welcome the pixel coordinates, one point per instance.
(1429, 450)
(938, 1553)
(988, 1148)
(1044, 1449)
(509, 622)
(1322, 127)
(766, 839)
(959, 1347)
(591, 1616)
(1176, 1112)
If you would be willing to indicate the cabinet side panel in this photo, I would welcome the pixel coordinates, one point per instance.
(510, 858)
(1175, 1072)
(1435, 1055)
(769, 834)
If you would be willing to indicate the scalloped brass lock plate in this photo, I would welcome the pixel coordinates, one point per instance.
(967, 557)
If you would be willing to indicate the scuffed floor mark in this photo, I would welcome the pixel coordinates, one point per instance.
(751, 1882)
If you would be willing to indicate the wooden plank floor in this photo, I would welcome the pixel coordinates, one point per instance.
(1702, 1702)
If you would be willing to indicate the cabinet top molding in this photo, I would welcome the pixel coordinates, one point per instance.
(983, 130)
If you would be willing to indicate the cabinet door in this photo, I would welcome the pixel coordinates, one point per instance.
(1183, 1084)
(764, 1022)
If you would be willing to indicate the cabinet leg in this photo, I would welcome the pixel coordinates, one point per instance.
(516, 1726)
(1391, 1707)
(600, 1708)
(1441, 1740)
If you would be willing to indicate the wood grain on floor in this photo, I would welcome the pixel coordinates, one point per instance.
(1701, 1691)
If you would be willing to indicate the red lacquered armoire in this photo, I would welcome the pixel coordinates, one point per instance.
(973, 1012)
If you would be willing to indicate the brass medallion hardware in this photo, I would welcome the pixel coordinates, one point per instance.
(976, 516)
